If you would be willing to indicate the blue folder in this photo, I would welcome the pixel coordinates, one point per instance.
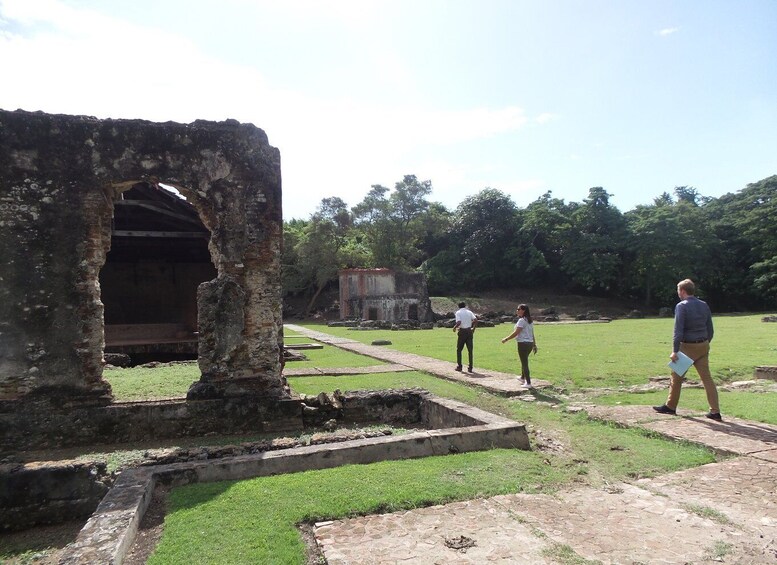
(682, 364)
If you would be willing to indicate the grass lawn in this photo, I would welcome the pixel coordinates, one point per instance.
(619, 353)
(142, 383)
(254, 521)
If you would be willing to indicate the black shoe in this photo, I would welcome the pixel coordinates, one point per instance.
(469, 369)
(664, 409)
(714, 416)
(458, 368)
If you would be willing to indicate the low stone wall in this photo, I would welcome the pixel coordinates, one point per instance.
(394, 407)
(54, 492)
(108, 534)
(42, 426)
(49, 493)
(766, 372)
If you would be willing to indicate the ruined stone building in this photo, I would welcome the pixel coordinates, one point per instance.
(384, 294)
(93, 249)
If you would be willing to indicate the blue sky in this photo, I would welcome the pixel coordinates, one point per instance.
(635, 96)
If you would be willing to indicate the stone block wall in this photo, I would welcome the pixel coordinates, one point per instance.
(59, 177)
(53, 492)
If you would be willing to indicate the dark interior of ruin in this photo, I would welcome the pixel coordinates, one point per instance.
(158, 257)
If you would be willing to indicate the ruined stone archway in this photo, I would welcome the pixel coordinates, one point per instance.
(59, 178)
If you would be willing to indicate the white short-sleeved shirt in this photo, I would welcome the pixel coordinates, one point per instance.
(466, 317)
(527, 333)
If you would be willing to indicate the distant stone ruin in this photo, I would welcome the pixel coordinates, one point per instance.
(384, 295)
(61, 178)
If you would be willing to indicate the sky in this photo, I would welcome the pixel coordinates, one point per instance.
(521, 96)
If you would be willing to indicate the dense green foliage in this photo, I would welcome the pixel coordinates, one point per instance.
(727, 244)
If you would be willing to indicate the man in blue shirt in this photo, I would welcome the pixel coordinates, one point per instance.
(693, 333)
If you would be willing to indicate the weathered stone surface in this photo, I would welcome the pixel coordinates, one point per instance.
(59, 178)
(384, 295)
(50, 492)
(41, 426)
(766, 372)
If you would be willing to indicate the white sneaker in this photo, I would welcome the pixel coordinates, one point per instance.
(521, 381)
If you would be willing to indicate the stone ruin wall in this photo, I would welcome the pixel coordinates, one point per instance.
(389, 292)
(59, 178)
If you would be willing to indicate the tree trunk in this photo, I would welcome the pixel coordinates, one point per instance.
(313, 300)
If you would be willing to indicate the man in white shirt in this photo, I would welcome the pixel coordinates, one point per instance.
(465, 325)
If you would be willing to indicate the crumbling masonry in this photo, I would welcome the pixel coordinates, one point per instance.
(59, 179)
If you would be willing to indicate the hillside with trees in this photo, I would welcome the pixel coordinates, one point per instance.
(590, 248)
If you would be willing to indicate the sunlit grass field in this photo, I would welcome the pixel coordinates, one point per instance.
(585, 355)
(254, 521)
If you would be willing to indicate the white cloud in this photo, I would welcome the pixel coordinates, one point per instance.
(73, 61)
(546, 117)
(667, 31)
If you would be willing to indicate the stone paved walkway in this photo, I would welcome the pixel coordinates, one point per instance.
(505, 384)
(722, 512)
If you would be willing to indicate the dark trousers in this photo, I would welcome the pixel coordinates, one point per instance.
(464, 338)
(524, 349)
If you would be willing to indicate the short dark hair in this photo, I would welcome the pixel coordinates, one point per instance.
(462, 304)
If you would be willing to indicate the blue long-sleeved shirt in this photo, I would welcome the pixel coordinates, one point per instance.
(692, 322)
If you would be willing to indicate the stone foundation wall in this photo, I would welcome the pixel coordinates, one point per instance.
(49, 493)
(42, 426)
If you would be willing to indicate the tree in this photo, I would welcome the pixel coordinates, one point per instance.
(486, 230)
(319, 246)
(659, 259)
(595, 254)
(745, 223)
(394, 225)
(546, 230)
(670, 241)
(293, 280)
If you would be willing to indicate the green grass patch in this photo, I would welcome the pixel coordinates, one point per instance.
(331, 356)
(619, 353)
(254, 521)
(709, 514)
(144, 383)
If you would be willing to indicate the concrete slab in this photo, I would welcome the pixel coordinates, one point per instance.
(724, 512)
(339, 371)
(731, 436)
